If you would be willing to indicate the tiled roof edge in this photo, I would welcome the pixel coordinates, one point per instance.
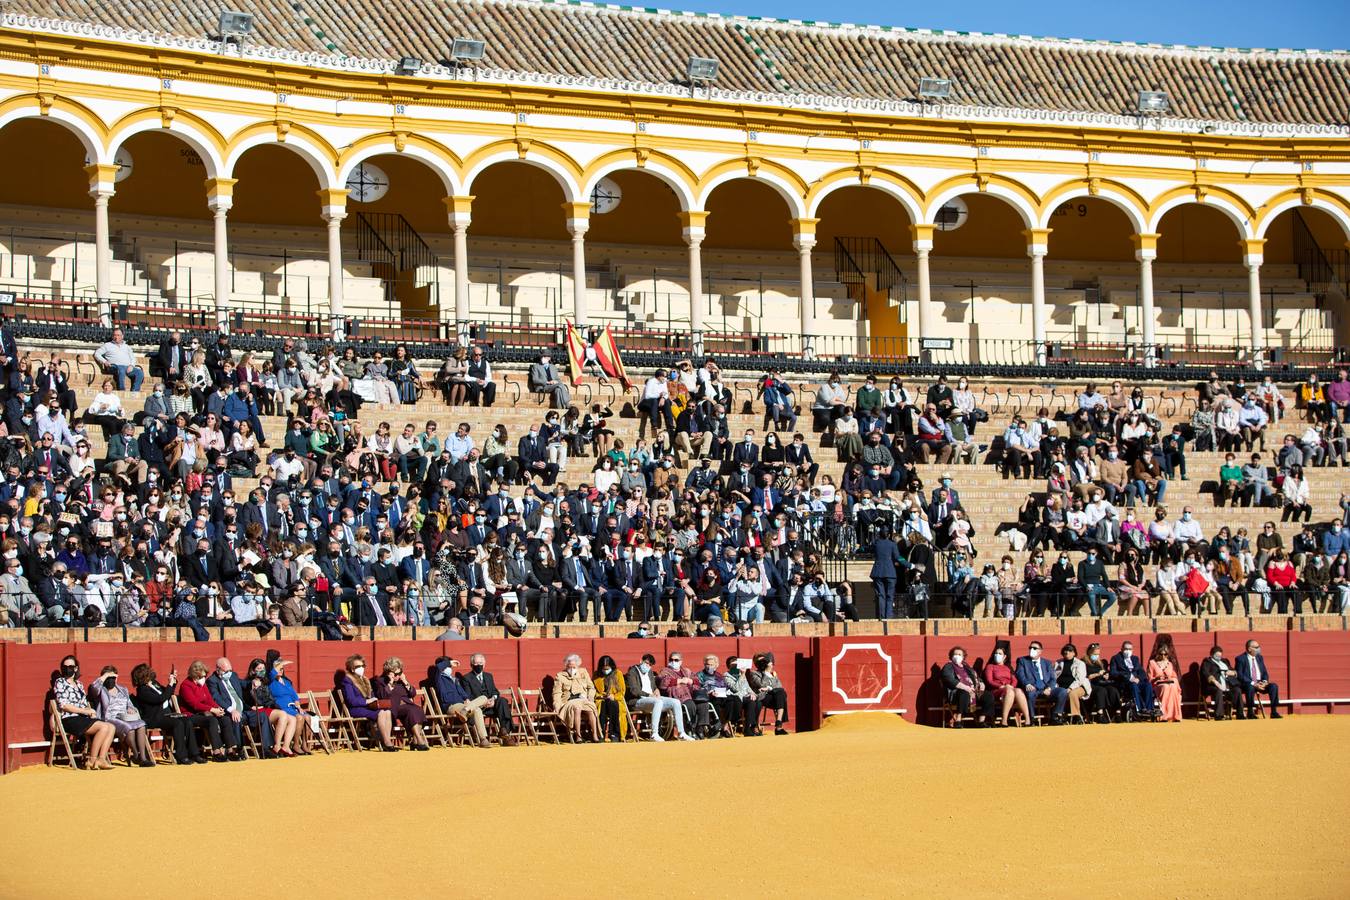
(818, 102)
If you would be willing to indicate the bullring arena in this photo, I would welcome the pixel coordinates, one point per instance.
(704, 436)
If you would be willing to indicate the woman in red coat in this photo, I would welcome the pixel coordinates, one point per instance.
(1282, 577)
(999, 678)
(195, 702)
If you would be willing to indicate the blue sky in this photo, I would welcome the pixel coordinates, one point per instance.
(1303, 24)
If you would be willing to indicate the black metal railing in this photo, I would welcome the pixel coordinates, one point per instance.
(1319, 267)
(393, 247)
(864, 263)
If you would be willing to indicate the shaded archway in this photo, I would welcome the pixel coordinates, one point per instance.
(1305, 252)
(44, 195)
(1200, 285)
(1091, 272)
(867, 231)
(750, 269)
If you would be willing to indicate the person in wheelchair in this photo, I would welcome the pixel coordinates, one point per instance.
(727, 705)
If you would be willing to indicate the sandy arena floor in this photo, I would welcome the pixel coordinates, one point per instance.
(870, 806)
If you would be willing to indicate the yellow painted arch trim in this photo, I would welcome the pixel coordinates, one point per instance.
(968, 183)
(383, 144)
(1293, 199)
(535, 149)
(1163, 199)
(628, 156)
(31, 106)
(1079, 186)
(849, 177)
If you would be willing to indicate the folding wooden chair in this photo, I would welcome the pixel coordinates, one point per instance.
(251, 747)
(522, 726)
(340, 718)
(339, 738)
(61, 742)
(439, 722)
(543, 721)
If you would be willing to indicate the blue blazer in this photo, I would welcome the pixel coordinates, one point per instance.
(1246, 677)
(1038, 674)
(888, 559)
(217, 689)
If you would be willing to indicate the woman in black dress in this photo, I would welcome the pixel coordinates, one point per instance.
(155, 703)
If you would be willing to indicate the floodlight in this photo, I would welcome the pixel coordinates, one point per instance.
(465, 50)
(1153, 102)
(408, 65)
(234, 24)
(701, 69)
(935, 88)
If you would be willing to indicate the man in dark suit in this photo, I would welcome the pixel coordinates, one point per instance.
(746, 451)
(1254, 678)
(579, 583)
(622, 586)
(1127, 674)
(171, 358)
(533, 455)
(480, 683)
(658, 582)
(415, 566)
(1219, 684)
(9, 349)
(1036, 676)
(371, 608)
(228, 692)
(766, 497)
(885, 570)
(201, 568)
(798, 455)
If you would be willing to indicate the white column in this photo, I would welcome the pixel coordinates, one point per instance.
(1037, 247)
(923, 246)
(220, 208)
(1253, 263)
(459, 223)
(102, 256)
(1146, 310)
(804, 239)
(578, 223)
(693, 223)
(333, 211)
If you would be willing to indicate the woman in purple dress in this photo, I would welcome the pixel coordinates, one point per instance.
(394, 689)
(362, 703)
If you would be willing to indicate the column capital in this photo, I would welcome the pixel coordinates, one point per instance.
(578, 214)
(1038, 241)
(922, 234)
(1145, 242)
(460, 208)
(804, 228)
(1253, 249)
(693, 218)
(102, 177)
(220, 194)
(334, 202)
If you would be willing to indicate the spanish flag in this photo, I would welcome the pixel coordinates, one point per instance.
(607, 353)
(576, 353)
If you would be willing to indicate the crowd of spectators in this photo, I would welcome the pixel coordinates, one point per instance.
(428, 524)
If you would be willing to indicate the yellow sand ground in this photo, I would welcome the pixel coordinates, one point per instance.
(869, 806)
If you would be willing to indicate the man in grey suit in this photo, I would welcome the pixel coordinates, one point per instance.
(545, 378)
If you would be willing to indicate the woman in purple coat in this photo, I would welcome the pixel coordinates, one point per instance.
(361, 702)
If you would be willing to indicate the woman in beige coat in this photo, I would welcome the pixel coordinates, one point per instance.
(574, 698)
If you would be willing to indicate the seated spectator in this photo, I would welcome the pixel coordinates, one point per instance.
(965, 689)
(1219, 683)
(287, 700)
(831, 398)
(934, 437)
(611, 693)
(1164, 675)
(481, 389)
(1001, 684)
(1128, 675)
(768, 689)
(726, 700)
(359, 696)
(258, 698)
(574, 699)
(1037, 678)
(114, 706)
(1071, 677)
(1297, 494)
(155, 704)
(1311, 399)
(117, 357)
(544, 378)
(642, 687)
(404, 703)
(455, 700)
(1254, 678)
(227, 690)
(195, 700)
(1104, 695)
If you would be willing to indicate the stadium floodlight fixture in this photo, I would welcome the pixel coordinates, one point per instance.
(1154, 102)
(408, 65)
(935, 88)
(234, 24)
(701, 68)
(465, 50)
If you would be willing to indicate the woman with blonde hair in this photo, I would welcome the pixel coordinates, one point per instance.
(362, 703)
(574, 698)
(398, 694)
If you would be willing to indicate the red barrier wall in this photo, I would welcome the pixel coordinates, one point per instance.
(1309, 666)
(859, 674)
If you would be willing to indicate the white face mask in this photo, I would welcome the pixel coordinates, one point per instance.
(1127, 653)
(958, 659)
(359, 671)
(998, 657)
(1034, 652)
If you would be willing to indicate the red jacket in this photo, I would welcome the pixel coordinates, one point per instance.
(195, 698)
(1282, 577)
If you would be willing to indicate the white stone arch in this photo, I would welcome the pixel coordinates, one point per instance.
(90, 139)
(316, 157)
(1227, 207)
(906, 200)
(1116, 199)
(796, 204)
(1331, 209)
(667, 175)
(1018, 202)
(430, 159)
(185, 132)
(571, 190)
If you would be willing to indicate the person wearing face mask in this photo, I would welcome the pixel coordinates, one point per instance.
(115, 707)
(482, 691)
(1127, 674)
(363, 705)
(1037, 677)
(964, 691)
(1219, 685)
(544, 378)
(643, 697)
(196, 702)
(1001, 684)
(574, 700)
(610, 693)
(726, 701)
